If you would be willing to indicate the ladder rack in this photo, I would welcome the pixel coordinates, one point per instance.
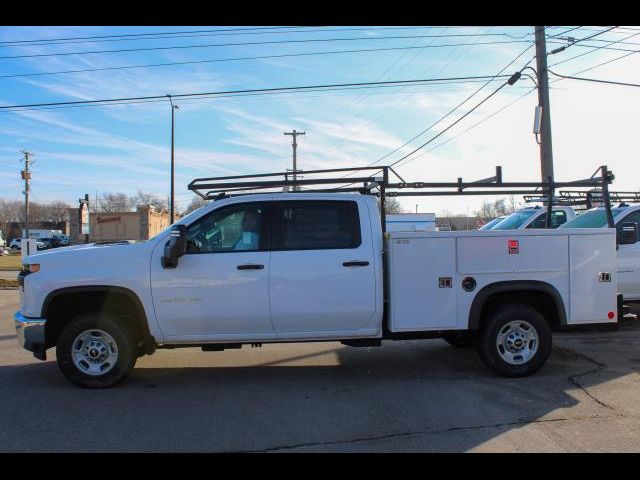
(378, 181)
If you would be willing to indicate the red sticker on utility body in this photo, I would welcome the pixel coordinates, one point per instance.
(514, 247)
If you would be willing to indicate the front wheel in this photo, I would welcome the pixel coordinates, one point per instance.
(516, 340)
(96, 351)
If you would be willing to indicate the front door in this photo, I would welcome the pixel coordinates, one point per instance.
(220, 288)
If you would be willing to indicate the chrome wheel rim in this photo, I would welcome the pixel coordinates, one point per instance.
(517, 342)
(94, 352)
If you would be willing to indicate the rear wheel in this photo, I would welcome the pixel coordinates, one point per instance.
(516, 340)
(96, 351)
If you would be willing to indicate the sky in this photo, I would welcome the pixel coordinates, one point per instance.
(126, 148)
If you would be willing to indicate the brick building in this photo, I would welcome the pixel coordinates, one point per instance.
(142, 224)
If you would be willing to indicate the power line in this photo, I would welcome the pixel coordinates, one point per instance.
(357, 101)
(594, 49)
(402, 101)
(234, 95)
(594, 80)
(215, 33)
(260, 57)
(498, 75)
(239, 44)
(138, 35)
(560, 49)
(488, 117)
(275, 89)
(563, 33)
(442, 132)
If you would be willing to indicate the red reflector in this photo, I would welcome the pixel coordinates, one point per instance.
(514, 247)
(611, 315)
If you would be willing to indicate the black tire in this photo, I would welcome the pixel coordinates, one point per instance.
(496, 321)
(123, 338)
(14, 248)
(461, 340)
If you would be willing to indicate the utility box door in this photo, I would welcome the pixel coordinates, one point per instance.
(422, 280)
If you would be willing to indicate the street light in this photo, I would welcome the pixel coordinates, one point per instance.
(173, 109)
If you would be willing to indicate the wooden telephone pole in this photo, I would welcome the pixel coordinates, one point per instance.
(294, 144)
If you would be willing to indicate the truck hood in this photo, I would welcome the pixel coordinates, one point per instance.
(88, 252)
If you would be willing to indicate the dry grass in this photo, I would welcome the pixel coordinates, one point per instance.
(11, 262)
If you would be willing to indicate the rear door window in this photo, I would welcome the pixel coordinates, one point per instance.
(557, 218)
(316, 225)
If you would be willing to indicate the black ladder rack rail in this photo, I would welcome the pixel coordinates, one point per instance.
(585, 200)
(378, 183)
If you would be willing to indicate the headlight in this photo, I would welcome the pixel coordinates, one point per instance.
(31, 267)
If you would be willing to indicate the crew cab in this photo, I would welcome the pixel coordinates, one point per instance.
(535, 217)
(628, 252)
(297, 267)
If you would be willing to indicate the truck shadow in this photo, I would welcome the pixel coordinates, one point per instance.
(421, 395)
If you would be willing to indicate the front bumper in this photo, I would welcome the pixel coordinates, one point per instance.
(31, 334)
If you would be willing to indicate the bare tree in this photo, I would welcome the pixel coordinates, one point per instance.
(490, 210)
(158, 202)
(392, 205)
(114, 202)
(196, 202)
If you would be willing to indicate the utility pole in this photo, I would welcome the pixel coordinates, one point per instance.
(294, 144)
(26, 176)
(173, 109)
(546, 152)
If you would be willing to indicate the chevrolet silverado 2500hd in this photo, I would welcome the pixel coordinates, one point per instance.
(286, 267)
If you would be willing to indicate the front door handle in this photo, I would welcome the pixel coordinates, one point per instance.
(356, 263)
(251, 266)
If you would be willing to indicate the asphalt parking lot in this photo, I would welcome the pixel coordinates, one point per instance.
(417, 396)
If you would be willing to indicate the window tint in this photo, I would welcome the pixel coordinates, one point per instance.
(632, 217)
(592, 219)
(235, 228)
(306, 225)
(557, 219)
(514, 221)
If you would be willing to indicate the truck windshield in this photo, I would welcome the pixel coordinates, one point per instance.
(515, 220)
(592, 219)
(489, 226)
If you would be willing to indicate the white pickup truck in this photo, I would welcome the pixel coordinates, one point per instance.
(297, 267)
(628, 254)
(535, 217)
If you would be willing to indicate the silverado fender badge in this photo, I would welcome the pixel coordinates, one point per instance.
(514, 247)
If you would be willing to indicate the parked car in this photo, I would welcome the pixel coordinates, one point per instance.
(16, 244)
(285, 267)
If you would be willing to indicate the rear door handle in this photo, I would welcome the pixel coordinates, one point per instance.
(251, 266)
(357, 263)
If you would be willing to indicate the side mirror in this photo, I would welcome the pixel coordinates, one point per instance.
(628, 234)
(175, 247)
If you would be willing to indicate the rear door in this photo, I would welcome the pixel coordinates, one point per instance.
(322, 267)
